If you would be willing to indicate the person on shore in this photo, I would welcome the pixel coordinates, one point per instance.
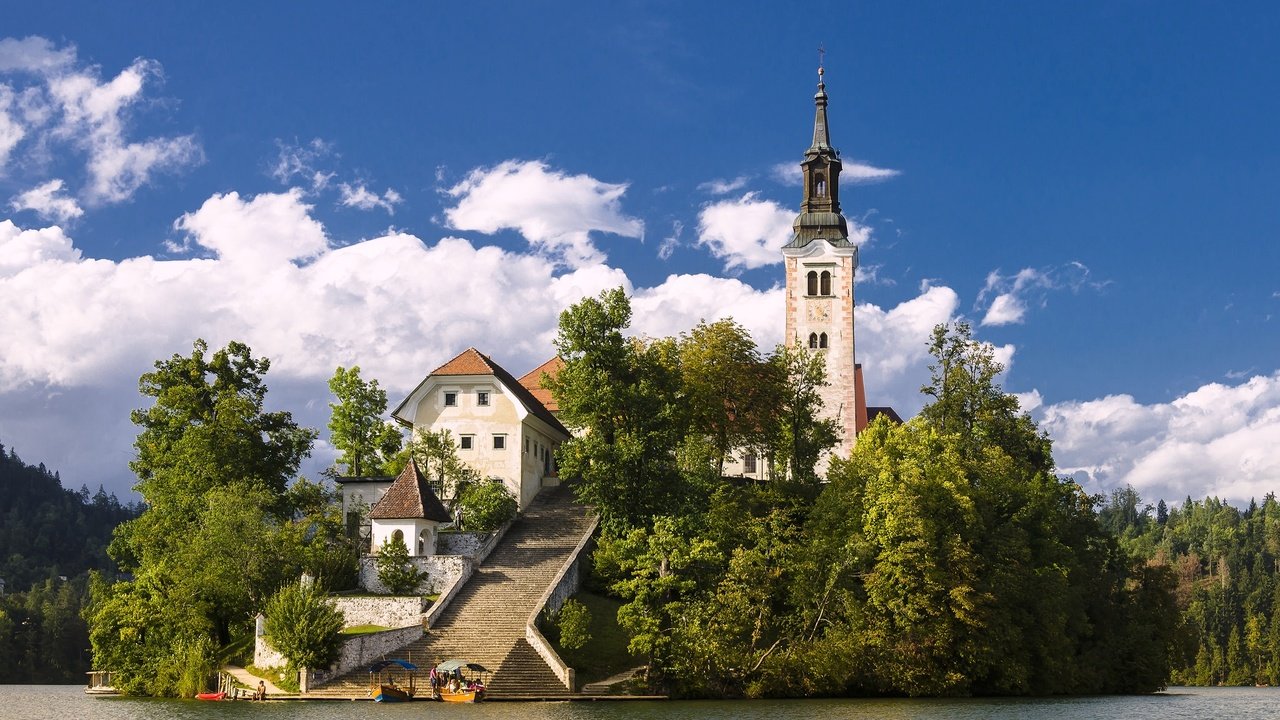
(261, 692)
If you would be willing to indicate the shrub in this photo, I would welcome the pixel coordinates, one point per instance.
(394, 571)
(574, 620)
(303, 627)
(487, 505)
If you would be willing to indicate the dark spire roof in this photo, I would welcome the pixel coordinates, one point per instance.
(820, 216)
(821, 138)
(410, 496)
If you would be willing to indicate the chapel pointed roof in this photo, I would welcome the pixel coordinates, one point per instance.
(410, 496)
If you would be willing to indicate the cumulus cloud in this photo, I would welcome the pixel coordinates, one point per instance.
(1010, 294)
(265, 272)
(893, 346)
(724, 187)
(746, 233)
(852, 172)
(48, 101)
(554, 211)
(362, 198)
(1215, 440)
(49, 202)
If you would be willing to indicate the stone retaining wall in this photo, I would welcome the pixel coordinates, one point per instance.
(567, 582)
(390, 611)
(364, 650)
(441, 571)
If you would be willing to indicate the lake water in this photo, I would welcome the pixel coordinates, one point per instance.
(63, 702)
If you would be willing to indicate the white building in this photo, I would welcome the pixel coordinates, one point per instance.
(410, 511)
(500, 427)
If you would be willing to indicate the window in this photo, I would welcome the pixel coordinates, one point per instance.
(822, 186)
(749, 463)
(499, 442)
(482, 398)
(465, 442)
(822, 340)
(397, 535)
(813, 340)
(813, 282)
(826, 283)
(422, 542)
(451, 398)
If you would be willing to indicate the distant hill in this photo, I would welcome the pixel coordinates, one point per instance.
(47, 530)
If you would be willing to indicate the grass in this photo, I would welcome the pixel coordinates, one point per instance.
(605, 654)
(363, 629)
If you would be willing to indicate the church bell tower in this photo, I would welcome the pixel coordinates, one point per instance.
(820, 265)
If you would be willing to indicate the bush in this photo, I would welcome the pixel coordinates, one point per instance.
(574, 620)
(487, 505)
(394, 570)
(303, 627)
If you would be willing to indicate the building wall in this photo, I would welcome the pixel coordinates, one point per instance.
(382, 531)
(832, 315)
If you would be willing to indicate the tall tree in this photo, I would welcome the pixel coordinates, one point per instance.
(622, 396)
(802, 435)
(216, 537)
(726, 386)
(367, 441)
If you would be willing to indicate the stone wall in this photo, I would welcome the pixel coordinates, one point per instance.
(441, 571)
(464, 543)
(567, 582)
(363, 650)
(390, 611)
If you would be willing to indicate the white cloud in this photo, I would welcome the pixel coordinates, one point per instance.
(1012, 293)
(1216, 440)
(671, 242)
(302, 161)
(851, 173)
(724, 187)
(395, 305)
(49, 201)
(746, 233)
(363, 198)
(856, 173)
(33, 54)
(55, 104)
(554, 211)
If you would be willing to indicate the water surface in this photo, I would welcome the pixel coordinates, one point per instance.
(64, 702)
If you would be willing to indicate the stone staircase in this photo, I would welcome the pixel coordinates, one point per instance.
(485, 622)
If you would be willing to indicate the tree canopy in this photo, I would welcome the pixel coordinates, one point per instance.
(368, 443)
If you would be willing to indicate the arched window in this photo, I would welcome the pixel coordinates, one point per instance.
(397, 535)
(821, 185)
(813, 340)
(826, 283)
(813, 282)
(423, 538)
(822, 340)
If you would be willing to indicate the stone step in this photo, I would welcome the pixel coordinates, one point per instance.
(485, 622)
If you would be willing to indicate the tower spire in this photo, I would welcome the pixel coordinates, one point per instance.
(821, 138)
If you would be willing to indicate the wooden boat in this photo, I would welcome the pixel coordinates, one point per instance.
(460, 681)
(211, 696)
(100, 683)
(382, 681)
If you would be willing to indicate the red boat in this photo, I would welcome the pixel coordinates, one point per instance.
(211, 696)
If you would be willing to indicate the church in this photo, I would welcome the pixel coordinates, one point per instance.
(506, 428)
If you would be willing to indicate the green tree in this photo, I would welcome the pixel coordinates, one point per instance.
(303, 626)
(436, 455)
(727, 387)
(368, 443)
(802, 435)
(622, 395)
(395, 572)
(574, 622)
(218, 533)
(487, 505)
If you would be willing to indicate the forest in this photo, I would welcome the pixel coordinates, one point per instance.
(50, 538)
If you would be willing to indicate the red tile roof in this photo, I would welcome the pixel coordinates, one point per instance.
(532, 381)
(410, 496)
(468, 362)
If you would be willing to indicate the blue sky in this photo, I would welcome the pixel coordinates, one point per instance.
(1095, 186)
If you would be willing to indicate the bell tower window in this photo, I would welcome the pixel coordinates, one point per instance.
(813, 282)
(813, 341)
(822, 341)
(820, 185)
(826, 283)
